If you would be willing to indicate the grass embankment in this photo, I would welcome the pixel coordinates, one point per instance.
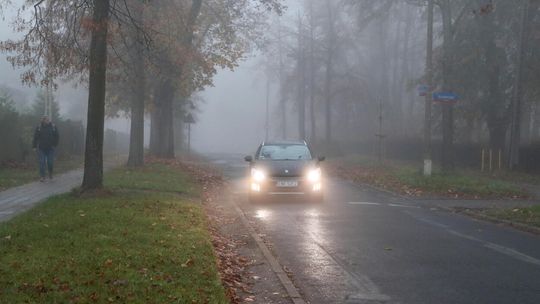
(145, 240)
(20, 174)
(528, 216)
(407, 179)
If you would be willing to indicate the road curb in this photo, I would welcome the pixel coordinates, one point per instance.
(291, 290)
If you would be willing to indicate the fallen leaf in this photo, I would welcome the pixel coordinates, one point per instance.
(189, 262)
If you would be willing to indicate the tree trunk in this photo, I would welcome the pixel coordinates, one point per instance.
(162, 125)
(136, 138)
(515, 131)
(329, 74)
(93, 156)
(497, 135)
(312, 74)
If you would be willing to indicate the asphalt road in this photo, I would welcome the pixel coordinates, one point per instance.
(365, 246)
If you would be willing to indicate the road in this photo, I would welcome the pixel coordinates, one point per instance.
(366, 246)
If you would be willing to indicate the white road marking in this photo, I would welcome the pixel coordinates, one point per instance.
(363, 203)
(495, 247)
(6, 212)
(402, 206)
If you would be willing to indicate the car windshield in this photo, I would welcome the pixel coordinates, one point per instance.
(285, 152)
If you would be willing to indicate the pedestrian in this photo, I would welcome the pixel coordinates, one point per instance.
(45, 141)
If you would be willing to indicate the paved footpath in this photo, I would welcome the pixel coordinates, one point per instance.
(18, 199)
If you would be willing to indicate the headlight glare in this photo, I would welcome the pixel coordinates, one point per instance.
(257, 175)
(314, 175)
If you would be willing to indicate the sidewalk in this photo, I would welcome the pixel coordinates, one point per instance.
(21, 198)
(18, 199)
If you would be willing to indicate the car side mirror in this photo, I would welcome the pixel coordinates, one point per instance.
(321, 158)
(248, 158)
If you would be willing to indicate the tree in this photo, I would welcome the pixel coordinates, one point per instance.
(67, 39)
(93, 156)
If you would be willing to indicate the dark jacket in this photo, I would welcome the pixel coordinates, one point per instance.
(45, 137)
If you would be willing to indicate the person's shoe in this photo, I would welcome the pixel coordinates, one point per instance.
(42, 179)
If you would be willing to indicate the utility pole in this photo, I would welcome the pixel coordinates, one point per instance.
(429, 93)
(380, 135)
(515, 131)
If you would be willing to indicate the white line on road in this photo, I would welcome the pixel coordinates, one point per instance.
(402, 206)
(363, 203)
(498, 248)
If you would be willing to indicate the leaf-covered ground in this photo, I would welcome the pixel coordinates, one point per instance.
(232, 266)
(145, 240)
(408, 180)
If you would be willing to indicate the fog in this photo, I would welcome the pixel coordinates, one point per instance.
(345, 76)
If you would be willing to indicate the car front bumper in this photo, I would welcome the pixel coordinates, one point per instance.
(285, 186)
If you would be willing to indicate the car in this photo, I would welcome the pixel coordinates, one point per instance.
(285, 168)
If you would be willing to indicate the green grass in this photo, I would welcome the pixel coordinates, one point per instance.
(12, 177)
(457, 183)
(152, 177)
(529, 216)
(405, 177)
(129, 245)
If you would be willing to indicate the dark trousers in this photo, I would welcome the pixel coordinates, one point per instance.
(46, 160)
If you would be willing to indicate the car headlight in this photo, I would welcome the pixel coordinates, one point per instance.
(314, 175)
(257, 175)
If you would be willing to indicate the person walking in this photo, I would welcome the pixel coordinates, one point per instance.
(46, 139)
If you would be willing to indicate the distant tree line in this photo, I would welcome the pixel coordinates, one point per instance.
(349, 70)
(17, 130)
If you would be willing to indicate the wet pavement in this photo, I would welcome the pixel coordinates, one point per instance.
(366, 246)
(18, 199)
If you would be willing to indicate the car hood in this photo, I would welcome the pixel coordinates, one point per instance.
(285, 168)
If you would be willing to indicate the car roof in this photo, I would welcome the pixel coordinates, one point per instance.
(284, 142)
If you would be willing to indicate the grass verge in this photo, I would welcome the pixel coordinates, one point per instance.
(528, 216)
(144, 241)
(23, 174)
(406, 179)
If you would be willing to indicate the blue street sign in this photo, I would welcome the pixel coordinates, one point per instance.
(445, 96)
(422, 90)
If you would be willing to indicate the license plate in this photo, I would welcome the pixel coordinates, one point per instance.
(287, 184)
